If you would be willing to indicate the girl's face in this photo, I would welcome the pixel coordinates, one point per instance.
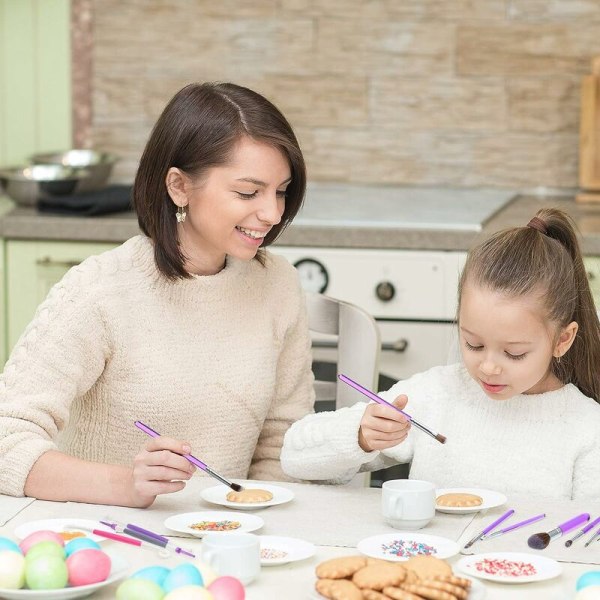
(506, 345)
(234, 206)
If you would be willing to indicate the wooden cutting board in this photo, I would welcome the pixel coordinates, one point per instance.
(589, 136)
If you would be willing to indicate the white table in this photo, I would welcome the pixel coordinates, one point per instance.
(334, 518)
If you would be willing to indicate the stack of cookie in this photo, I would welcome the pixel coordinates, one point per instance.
(362, 578)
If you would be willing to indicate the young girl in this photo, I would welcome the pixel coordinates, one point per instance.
(520, 415)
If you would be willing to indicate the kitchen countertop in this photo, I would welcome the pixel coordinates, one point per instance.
(17, 222)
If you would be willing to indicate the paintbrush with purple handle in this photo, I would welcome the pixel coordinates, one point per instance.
(236, 487)
(369, 394)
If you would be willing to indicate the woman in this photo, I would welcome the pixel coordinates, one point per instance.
(192, 327)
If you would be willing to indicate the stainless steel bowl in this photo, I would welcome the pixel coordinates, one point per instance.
(98, 164)
(25, 185)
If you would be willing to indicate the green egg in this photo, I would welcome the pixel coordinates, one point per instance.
(46, 572)
(47, 547)
(139, 589)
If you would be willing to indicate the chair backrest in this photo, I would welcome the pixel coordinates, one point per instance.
(358, 344)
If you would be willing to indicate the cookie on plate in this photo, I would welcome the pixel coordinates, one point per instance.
(250, 495)
(459, 500)
(427, 567)
(338, 568)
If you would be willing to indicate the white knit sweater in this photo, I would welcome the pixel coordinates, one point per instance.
(221, 361)
(543, 445)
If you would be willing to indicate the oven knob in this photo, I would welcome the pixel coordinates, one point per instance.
(385, 291)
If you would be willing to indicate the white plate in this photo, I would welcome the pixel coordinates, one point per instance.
(546, 568)
(477, 591)
(182, 521)
(374, 546)
(490, 499)
(294, 548)
(60, 525)
(218, 495)
(118, 570)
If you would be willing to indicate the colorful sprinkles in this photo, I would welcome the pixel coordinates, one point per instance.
(505, 568)
(407, 548)
(216, 525)
(272, 554)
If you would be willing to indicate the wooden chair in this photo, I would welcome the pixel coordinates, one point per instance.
(358, 345)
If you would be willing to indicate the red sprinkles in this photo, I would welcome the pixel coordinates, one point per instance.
(505, 568)
(407, 548)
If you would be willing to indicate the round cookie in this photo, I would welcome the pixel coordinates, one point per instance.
(376, 577)
(338, 568)
(343, 589)
(250, 495)
(459, 500)
(427, 567)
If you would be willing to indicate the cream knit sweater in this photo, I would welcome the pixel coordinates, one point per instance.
(221, 361)
(541, 445)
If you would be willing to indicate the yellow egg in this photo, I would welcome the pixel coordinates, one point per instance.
(591, 592)
(207, 572)
(189, 592)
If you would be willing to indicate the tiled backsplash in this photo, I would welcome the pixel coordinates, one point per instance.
(414, 92)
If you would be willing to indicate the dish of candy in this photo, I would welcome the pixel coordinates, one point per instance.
(200, 523)
(402, 545)
(188, 581)
(421, 577)
(44, 566)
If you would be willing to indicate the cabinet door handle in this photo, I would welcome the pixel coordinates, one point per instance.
(49, 262)
(400, 345)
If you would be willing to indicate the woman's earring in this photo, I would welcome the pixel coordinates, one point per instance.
(558, 359)
(180, 214)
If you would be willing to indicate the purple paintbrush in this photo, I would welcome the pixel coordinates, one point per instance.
(513, 527)
(582, 532)
(489, 528)
(369, 394)
(236, 487)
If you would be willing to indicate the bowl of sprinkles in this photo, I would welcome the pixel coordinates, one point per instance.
(200, 523)
(403, 545)
(510, 567)
(278, 550)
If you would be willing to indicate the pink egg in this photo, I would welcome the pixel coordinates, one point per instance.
(227, 588)
(40, 536)
(88, 566)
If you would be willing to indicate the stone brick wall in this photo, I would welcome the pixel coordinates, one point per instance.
(410, 92)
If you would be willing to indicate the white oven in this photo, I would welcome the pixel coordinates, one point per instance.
(411, 294)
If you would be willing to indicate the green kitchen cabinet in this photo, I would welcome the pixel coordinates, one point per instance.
(592, 267)
(32, 268)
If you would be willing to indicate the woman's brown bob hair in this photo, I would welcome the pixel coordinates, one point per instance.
(197, 131)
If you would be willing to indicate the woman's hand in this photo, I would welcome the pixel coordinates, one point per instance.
(159, 468)
(383, 427)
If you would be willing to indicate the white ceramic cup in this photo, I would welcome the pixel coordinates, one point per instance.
(235, 554)
(408, 503)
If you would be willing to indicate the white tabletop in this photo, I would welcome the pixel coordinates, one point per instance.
(334, 518)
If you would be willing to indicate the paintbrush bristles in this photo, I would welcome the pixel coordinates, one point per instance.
(538, 541)
(236, 487)
(440, 438)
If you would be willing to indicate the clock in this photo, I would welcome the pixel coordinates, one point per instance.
(313, 275)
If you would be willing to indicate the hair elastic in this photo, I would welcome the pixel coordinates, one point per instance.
(537, 223)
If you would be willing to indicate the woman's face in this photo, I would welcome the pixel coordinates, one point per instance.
(234, 206)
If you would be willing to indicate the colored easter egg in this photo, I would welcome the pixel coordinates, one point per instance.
(227, 588)
(589, 578)
(183, 575)
(12, 569)
(190, 592)
(591, 592)
(88, 566)
(6, 544)
(207, 572)
(46, 572)
(40, 536)
(48, 547)
(139, 589)
(156, 574)
(80, 543)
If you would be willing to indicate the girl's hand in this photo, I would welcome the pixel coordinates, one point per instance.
(159, 468)
(382, 427)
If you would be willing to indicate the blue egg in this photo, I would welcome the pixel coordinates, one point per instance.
(155, 574)
(80, 543)
(6, 544)
(185, 574)
(589, 578)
